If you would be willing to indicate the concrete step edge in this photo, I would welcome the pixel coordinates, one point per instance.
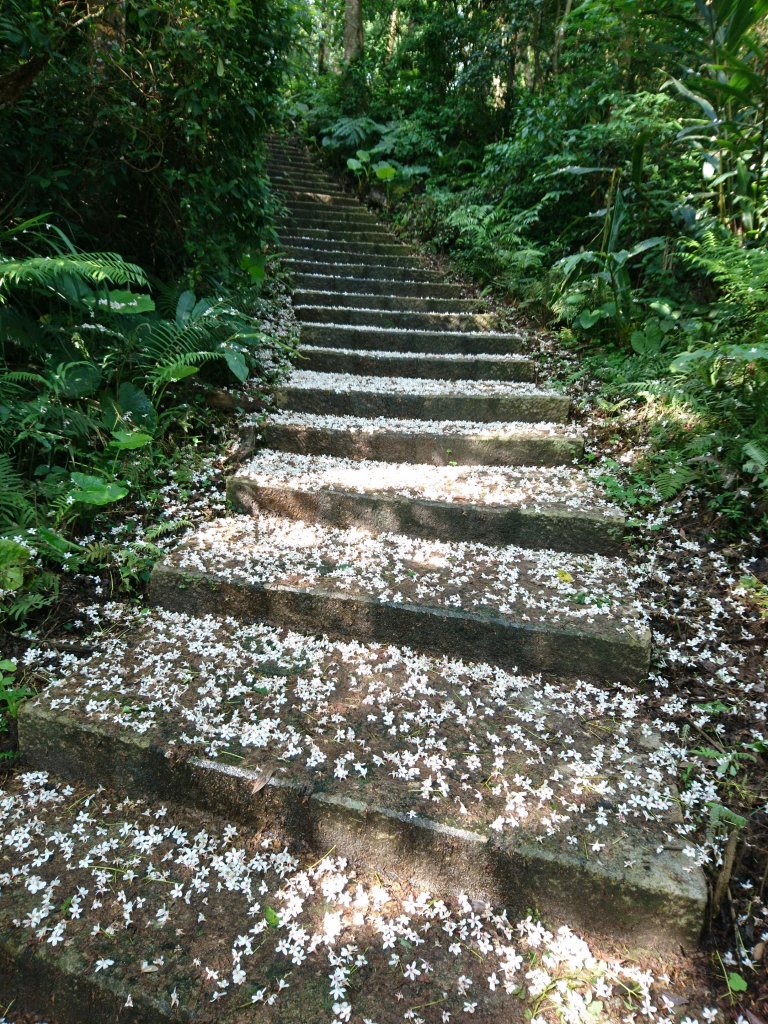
(558, 529)
(347, 437)
(525, 408)
(663, 907)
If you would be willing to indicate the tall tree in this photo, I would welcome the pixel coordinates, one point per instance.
(353, 31)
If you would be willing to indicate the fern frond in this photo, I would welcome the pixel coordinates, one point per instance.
(50, 273)
(15, 508)
(164, 529)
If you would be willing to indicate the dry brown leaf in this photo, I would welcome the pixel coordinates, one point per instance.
(262, 780)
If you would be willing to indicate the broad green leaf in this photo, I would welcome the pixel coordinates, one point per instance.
(384, 171)
(644, 246)
(123, 302)
(254, 264)
(93, 490)
(588, 318)
(124, 440)
(174, 373)
(236, 362)
(702, 102)
(736, 983)
(184, 307)
(689, 360)
(13, 558)
(11, 577)
(132, 400)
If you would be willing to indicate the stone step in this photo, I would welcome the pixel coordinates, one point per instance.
(350, 235)
(437, 443)
(139, 909)
(336, 197)
(373, 753)
(554, 508)
(381, 339)
(293, 162)
(397, 319)
(319, 245)
(301, 172)
(338, 210)
(336, 226)
(312, 181)
(345, 394)
(321, 215)
(376, 363)
(532, 611)
(367, 271)
(372, 286)
(385, 301)
(376, 267)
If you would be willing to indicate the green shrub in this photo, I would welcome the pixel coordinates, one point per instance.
(142, 130)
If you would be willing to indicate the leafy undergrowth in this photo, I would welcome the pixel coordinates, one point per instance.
(113, 430)
(707, 592)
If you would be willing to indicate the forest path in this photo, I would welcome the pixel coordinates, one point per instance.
(419, 488)
(337, 663)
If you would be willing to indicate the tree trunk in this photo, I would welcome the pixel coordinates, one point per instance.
(353, 31)
(559, 34)
(15, 83)
(392, 36)
(110, 25)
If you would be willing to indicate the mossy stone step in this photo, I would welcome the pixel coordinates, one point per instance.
(306, 242)
(360, 398)
(344, 236)
(327, 281)
(398, 319)
(419, 441)
(390, 589)
(366, 267)
(400, 340)
(382, 300)
(383, 820)
(319, 215)
(536, 508)
(373, 363)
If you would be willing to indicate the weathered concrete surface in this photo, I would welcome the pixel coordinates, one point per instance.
(628, 891)
(351, 235)
(319, 244)
(599, 649)
(430, 447)
(362, 337)
(558, 528)
(365, 364)
(362, 271)
(328, 253)
(325, 215)
(385, 301)
(535, 407)
(398, 319)
(326, 280)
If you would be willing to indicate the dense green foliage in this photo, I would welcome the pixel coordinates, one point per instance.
(604, 163)
(142, 123)
(134, 218)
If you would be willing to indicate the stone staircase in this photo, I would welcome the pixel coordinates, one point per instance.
(411, 531)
